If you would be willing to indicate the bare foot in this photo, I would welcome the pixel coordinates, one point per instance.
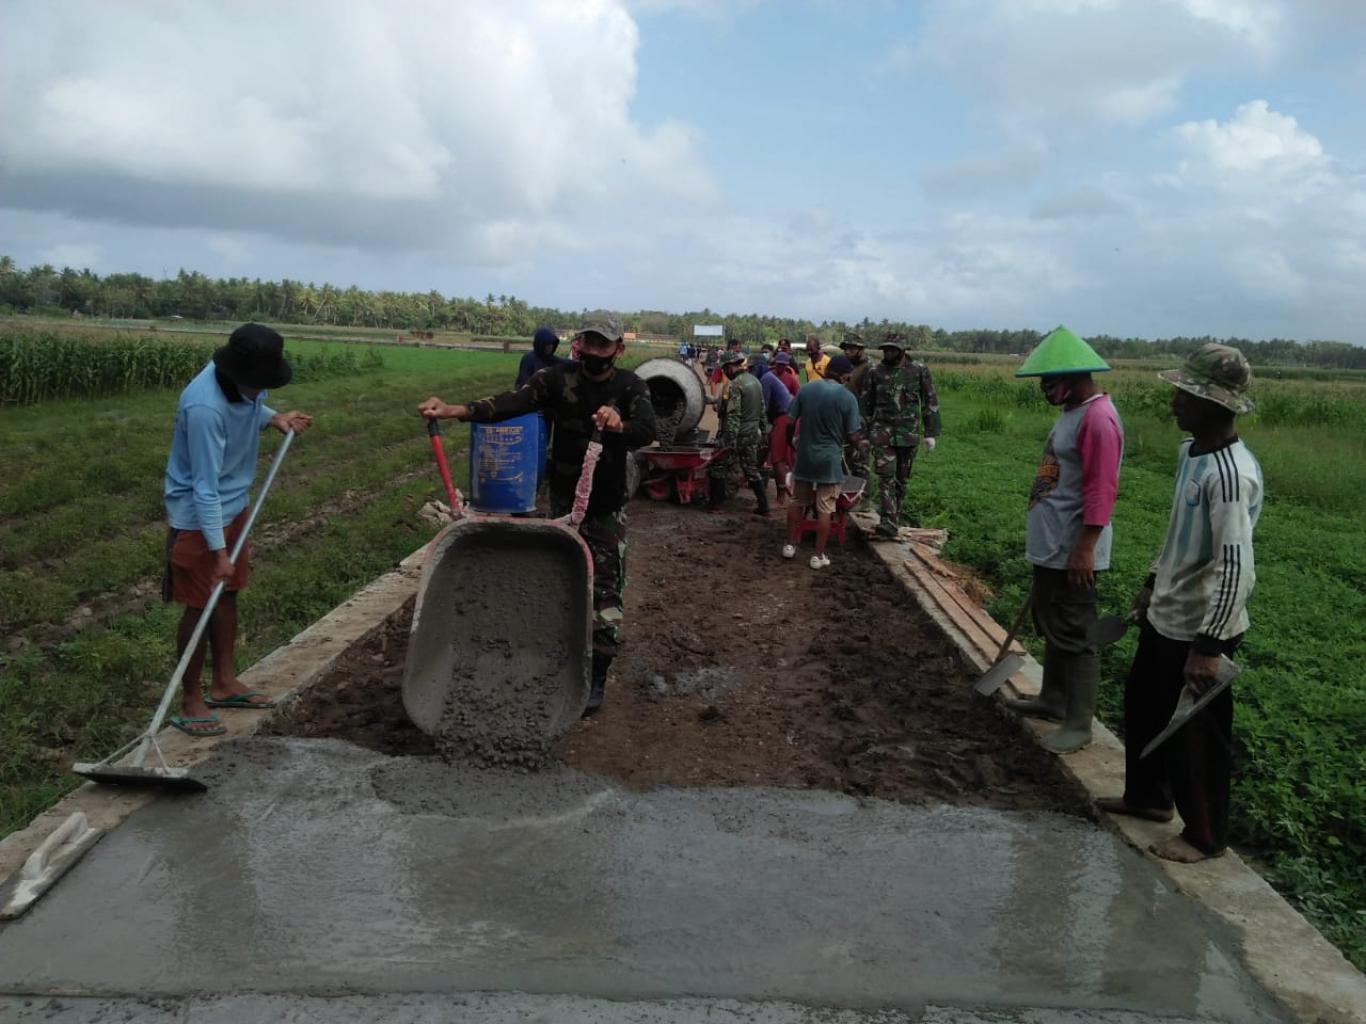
(1177, 849)
(1116, 805)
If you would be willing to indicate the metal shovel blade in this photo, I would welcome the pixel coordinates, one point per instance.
(995, 677)
(1188, 707)
(127, 775)
(1107, 629)
(499, 655)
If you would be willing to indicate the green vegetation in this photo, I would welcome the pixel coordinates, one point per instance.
(87, 647)
(40, 365)
(1300, 776)
(190, 296)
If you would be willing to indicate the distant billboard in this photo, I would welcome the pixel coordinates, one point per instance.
(708, 331)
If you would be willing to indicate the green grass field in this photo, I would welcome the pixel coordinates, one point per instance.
(1300, 782)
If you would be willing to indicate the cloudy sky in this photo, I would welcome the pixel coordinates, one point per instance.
(1147, 167)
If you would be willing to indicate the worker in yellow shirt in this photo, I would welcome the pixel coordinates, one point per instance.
(816, 360)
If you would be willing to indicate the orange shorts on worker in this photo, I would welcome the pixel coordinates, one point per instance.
(189, 564)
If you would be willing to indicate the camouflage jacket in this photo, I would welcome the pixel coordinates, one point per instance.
(896, 403)
(743, 412)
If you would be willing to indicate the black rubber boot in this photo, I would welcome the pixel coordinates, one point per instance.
(760, 498)
(1051, 703)
(601, 663)
(1081, 674)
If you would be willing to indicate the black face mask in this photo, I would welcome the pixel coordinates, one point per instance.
(597, 365)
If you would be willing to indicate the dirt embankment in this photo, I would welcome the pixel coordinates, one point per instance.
(745, 669)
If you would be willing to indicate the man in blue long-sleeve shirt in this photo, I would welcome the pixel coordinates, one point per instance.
(218, 423)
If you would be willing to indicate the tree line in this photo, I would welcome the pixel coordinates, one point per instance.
(44, 290)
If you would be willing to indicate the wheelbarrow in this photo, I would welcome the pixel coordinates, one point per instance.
(500, 649)
(677, 471)
(851, 490)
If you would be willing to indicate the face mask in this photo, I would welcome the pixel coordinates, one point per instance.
(1056, 392)
(597, 365)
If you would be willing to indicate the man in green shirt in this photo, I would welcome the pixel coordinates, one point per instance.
(829, 418)
(742, 434)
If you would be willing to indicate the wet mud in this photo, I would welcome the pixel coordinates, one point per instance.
(741, 668)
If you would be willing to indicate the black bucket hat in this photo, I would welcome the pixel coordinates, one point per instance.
(254, 357)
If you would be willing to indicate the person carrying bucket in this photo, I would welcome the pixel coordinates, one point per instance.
(1068, 535)
(581, 397)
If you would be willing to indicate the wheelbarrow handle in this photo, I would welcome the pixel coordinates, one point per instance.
(452, 496)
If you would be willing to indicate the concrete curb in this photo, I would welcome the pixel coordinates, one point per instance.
(283, 674)
(1299, 967)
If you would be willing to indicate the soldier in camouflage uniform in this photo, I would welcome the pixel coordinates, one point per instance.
(742, 434)
(581, 396)
(898, 399)
(856, 456)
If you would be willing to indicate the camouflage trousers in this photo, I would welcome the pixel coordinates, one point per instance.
(743, 456)
(856, 459)
(605, 536)
(892, 466)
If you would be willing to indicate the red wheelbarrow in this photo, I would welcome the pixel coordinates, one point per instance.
(850, 492)
(677, 472)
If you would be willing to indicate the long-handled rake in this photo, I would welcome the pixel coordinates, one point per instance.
(136, 771)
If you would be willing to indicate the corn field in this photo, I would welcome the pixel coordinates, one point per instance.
(39, 366)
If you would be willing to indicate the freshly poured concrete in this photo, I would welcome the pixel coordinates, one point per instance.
(314, 868)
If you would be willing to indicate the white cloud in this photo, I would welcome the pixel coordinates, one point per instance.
(373, 123)
(1067, 67)
(1255, 140)
(78, 255)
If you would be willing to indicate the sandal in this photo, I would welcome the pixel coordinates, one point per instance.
(199, 727)
(240, 700)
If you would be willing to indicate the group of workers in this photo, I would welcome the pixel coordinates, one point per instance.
(1191, 611)
(812, 439)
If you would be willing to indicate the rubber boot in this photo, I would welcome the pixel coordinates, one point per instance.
(1081, 673)
(760, 498)
(598, 686)
(716, 495)
(1051, 703)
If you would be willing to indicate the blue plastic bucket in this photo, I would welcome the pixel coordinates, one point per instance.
(504, 464)
(540, 450)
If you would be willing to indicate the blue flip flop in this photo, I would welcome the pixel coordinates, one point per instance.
(185, 724)
(241, 700)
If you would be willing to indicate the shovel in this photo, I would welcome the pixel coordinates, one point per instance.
(1007, 663)
(501, 641)
(1108, 629)
(1189, 705)
(136, 772)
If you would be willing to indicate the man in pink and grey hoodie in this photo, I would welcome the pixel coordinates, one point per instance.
(1068, 539)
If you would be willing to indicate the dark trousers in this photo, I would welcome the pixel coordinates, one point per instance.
(1062, 615)
(1194, 768)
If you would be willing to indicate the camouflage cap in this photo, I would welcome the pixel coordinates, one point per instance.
(733, 356)
(852, 339)
(603, 322)
(1215, 372)
(894, 340)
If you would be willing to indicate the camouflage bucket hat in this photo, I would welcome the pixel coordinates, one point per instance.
(1217, 373)
(852, 340)
(894, 340)
(732, 357)
(603, 322)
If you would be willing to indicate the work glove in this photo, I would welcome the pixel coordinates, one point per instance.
(929, 444)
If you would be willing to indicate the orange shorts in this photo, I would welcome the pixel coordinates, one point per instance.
(189, 564)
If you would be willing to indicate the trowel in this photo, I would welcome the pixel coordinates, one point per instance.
(1007, 663)
(1189, 705)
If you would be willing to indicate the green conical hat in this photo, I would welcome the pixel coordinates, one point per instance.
(1061, 352)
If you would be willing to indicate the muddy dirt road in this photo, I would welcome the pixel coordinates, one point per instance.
(744, 669)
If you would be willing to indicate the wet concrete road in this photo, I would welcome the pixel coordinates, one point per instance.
(314, 869)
